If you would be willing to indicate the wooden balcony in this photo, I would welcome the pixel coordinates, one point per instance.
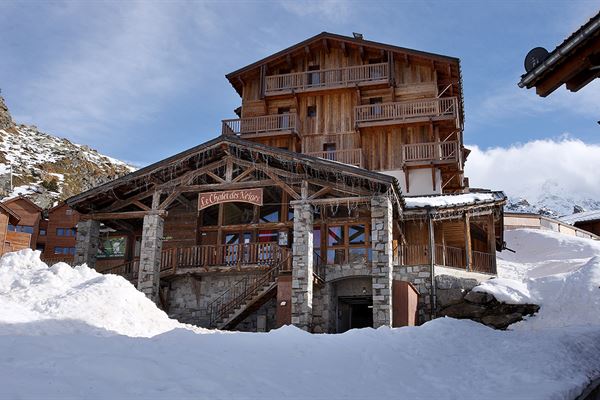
(350, 156)
(447, 256)
(268, 125)
(226, 255)
(327, 79)
(437, 152)
(445, 108)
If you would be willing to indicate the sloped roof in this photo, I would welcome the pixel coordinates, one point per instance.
(26, 200)
(215, 149)
(338, 38)
(454, 200)
(13, 218)
(585, 216)
(588, 31)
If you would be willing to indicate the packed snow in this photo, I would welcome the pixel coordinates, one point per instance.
(72, 333)
(448, 200)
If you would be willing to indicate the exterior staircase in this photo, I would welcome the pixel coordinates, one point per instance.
(244, 297)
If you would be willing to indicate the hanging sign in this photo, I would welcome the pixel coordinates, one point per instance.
(254, 196)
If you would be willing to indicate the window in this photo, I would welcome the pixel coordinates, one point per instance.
(60, 231)
(335, 236)
(237, 213)
(311, 111)
(329, 149)
(64, 250)
(356, 234)
(66, 232)
(20, 228)
(42, 232)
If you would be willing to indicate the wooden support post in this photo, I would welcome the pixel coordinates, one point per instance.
(468, 260)
(491, 238)
(432, 261)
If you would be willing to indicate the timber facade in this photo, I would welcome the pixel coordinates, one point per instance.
(298, 213)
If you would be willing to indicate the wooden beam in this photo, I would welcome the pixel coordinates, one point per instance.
(218, 178)
(140, 205)
(344, 49)
(282, 184)
(333, 200)
(228, 171)
(468, 261)
(170, 199)
(121, 215)
(125, 202)
(321, 192)
(226, 186)
(326, 46)
(244, 174)
(156, 199)
(288, 60)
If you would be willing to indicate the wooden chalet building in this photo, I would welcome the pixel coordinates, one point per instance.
(328, 204)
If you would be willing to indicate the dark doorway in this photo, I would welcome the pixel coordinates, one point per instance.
(354, 312)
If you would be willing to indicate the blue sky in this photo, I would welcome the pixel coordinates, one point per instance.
(143, 80)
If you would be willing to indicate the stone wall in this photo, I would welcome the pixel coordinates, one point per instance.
(302, 271)
(267, 311)
(86, 243)
(382, 253)
(150, 255)
(189, 296)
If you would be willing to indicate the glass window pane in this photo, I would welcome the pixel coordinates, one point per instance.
(210, 216)
(357, 255)
(238, 213)
(356, 234)
(335, 236)
(269, 214)
(336, 256)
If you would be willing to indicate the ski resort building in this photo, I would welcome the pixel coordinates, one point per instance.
(328, 202)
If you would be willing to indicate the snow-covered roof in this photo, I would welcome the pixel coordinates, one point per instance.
(450, 200)
(581, 216)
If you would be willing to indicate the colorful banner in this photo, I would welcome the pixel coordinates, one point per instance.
(112, 247)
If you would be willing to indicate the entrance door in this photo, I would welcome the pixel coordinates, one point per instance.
(354, 312)
(237, 247)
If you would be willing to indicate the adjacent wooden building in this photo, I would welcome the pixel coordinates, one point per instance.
(328, 203)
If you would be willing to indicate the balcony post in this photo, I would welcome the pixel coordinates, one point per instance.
(468, 261)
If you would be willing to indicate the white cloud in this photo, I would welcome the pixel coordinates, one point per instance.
(527, 169)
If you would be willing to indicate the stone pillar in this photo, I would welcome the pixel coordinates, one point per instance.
(86, 244)
(302, 267)
(151, 249)
(381, 244)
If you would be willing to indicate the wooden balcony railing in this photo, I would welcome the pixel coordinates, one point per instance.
(128, 270)
(260, 125)
(326, 78)
(407, 111)
(349, 156)
(229, 255)
(447, 256)
(431, 151)
(483, 262)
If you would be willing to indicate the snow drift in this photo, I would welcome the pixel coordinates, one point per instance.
(73, 333)
(66, 297)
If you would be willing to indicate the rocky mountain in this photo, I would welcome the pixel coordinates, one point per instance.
(46, 168)
(553, 200)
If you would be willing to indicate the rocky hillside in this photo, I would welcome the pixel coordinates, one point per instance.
(46, 168)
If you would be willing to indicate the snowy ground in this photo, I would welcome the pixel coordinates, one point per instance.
(72, 333)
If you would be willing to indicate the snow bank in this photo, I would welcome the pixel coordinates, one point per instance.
(67, 298)
(558, 272)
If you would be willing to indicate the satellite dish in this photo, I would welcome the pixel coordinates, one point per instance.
(535, 57)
